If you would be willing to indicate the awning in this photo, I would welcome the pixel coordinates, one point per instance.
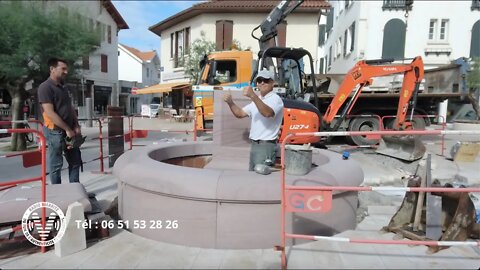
(160, 88)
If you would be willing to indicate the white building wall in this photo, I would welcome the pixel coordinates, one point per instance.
(371, 19)
(302, 31)
(150, 73)
(129, 66)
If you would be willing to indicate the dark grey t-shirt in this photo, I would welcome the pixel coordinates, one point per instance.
(58, 96)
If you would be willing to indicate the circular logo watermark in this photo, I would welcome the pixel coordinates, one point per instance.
(55, 222)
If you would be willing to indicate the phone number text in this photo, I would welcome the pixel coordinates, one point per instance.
(128, 224)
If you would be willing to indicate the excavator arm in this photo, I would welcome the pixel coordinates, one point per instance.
(361, 75)
(269, 26)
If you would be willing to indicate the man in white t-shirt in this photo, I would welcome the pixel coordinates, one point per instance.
(266, 113)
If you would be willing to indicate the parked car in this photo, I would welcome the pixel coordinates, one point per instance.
(154, 108)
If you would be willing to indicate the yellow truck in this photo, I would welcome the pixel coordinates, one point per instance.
(221, 71)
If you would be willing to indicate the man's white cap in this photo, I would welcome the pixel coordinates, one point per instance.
(265, 73)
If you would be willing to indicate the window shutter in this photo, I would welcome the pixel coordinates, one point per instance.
(352, 33)
(224, 35)
(187, 39)
(104, 63)
(219, 35)
(321, 35)
(86, 62)
(227, 35)
(330, 20)
(109, 33)
(282, 34)
(345, 43)
(172, 45)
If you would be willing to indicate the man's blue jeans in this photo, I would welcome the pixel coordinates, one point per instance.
(56, 148)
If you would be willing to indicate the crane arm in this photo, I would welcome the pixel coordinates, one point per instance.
(269, 26)
(361, 75)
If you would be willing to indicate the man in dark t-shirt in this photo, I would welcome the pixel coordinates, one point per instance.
(60, 121)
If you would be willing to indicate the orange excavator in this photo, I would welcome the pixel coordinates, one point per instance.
(407, 148)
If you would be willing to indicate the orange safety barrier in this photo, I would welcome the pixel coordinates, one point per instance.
(100, 138)
(29, 158)
(325, 192)
(42, 177)
(380, 123)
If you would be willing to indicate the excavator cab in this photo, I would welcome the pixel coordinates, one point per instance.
(299, 115)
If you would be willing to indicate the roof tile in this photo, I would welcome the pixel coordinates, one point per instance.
(144, 56)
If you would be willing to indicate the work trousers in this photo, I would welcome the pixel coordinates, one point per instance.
(56, 149)
(261, 151)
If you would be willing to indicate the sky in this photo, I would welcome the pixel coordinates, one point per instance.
(140, 15)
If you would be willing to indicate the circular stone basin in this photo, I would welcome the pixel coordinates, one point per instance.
(219, 208)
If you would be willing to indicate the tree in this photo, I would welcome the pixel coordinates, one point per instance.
(199, 48)
(474, 85)
(29, 36)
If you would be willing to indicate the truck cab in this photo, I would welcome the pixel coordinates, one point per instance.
(223, 70)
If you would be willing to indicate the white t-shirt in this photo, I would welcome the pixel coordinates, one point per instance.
(263, 128)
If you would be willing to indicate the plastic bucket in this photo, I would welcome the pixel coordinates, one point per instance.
(298, 159)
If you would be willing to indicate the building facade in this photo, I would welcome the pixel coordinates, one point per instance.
(224, 22)
(438, 31)
(136, 69)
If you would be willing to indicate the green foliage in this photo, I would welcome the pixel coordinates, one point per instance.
(29, 36)
(474, 74)
(196, 52)
(236, 45)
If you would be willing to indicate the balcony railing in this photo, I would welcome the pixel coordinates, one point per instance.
(475, 4)
(398, 4)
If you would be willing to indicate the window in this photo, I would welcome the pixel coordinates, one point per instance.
(475, 4)
(346, 43)
(394, 34)
(431, 29)
(475, 40)
(329, 57)
(226, 72)
(109, 33)
(86, 62)
(104, 63)
(438, 30)
(224, 34)
(179, 43)
(347, 2)
(444, 29)
(148, 72)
